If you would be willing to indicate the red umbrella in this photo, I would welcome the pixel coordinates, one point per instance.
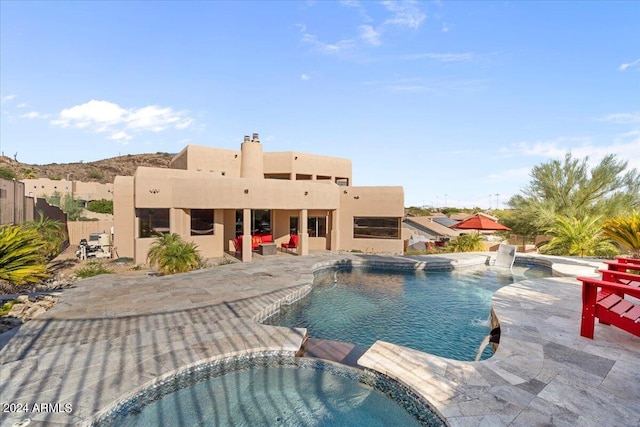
(480, 222)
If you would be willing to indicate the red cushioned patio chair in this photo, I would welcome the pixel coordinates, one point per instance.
(293, 243)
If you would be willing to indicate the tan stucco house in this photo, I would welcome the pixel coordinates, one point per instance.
(211, 196)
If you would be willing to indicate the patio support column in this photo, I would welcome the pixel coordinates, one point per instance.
(335, 230)
(246, 235)
(303, 234)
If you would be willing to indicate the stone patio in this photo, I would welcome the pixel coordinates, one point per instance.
(111, 335)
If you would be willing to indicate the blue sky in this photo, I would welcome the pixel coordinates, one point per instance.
(455, 101)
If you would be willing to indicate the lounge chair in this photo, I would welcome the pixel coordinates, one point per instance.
(506, 256)
(606, 301)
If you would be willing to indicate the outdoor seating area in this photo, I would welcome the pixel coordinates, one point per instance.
(256, 241)
(606, 298)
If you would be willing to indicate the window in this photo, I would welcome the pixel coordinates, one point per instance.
(317, 226)
(202, 222)
(376, 228)
(293, 225)
(260, 221)
(152, 222)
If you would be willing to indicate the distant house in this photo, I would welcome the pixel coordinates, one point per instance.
(429, 227)
(84, 191)
(212, 196)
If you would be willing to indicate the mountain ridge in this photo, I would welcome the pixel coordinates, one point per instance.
(103, 171)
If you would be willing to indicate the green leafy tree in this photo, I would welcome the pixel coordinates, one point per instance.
(20, 259)
(571, 189)
(71, 207)
(173, 255)
(51, 233)
(54, 199)
(101, 206)
(625, 230)
(578, 237)
(466, 243)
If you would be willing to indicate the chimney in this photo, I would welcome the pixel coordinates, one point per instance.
(252, 160)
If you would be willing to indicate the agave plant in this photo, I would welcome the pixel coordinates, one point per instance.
(20, 259)
(578, 237)
(173, 255)
(625, 231)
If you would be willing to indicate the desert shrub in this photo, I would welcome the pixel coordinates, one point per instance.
(101, 206)
(94, 175)
(93, 268)
(7, 173)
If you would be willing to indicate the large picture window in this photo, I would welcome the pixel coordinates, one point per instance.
(260, 221)
(152, 222)
(202, 222)
(317, 226)
(376, 228)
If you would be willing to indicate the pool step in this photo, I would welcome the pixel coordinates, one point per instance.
(335, 351)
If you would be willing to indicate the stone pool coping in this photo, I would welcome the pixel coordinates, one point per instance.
(111, 335)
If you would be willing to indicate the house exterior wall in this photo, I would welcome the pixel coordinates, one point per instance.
(208, 159)
(124, 216)
(375, 202)
(193, 182)
(45, 187)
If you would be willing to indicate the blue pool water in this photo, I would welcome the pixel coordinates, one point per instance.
(275, 392)
(445, 313)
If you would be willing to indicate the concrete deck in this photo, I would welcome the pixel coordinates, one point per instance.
(112, 335)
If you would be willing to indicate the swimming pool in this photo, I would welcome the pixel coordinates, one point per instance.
(268, 390)
(445, 313)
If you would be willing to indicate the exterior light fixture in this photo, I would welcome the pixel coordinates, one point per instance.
(345, 191)
(306, 193)
(235, 156)
(154, 191)
(356, 197)
(246, 191)
(295, 158)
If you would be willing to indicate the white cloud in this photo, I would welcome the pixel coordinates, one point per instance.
(105, 116)
(630, 65)
(445, 27)
(98, 115)
(7, 98)
(337, 47)
(623, 118)
(156, 119)
(120, 136)
(370, 35)
(304, 77)
(405, 14)
(33, 115)
(625, 145)
(22, 105)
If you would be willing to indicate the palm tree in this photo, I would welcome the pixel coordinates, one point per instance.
(173, 255)
(20, 260)
(625, 231)
(52, 234)
(578, 237)
(466, 243)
